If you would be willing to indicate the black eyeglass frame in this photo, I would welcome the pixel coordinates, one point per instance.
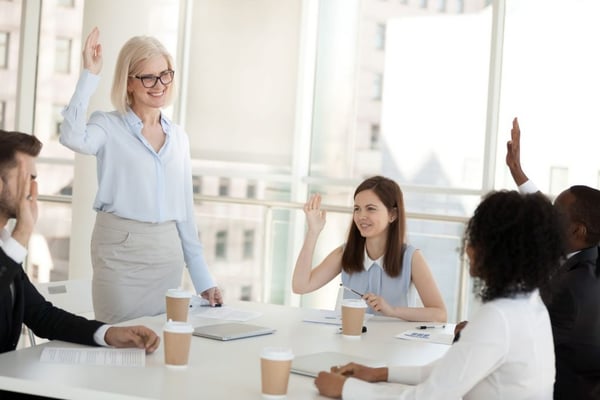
(165, 73)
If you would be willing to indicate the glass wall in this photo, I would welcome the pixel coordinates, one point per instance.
(282, 99)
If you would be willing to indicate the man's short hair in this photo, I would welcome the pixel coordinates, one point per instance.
(586, 210)
(13, 142)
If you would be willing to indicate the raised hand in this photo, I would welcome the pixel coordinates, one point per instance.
(92, 52)
(315, 217)
(513, 154)
(26, 212)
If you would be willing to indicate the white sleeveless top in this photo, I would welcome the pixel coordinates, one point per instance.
(398, 291)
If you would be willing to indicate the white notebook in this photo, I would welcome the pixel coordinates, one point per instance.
(312, 364)
(231, 331)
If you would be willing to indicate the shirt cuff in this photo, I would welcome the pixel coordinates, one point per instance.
(528, 187)
(99, 335)
(14, 250)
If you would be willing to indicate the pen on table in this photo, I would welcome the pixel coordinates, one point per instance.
(208, 305)
(352, 290)
(430, 326)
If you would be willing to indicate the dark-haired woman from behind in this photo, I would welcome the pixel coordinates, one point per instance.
(514, 244)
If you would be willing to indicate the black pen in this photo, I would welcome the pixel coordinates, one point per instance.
(352, 290)
(430, 326)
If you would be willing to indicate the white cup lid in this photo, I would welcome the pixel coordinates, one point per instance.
(356, 303)
(178, 293)
(178, 327)
(277, 353)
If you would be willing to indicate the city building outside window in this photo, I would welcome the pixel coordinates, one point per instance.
(380, 36)
(248, 243)
(4, 41)
(224, 184)
(2, 113)
(377, 86)
(375, 136)
(62, 60)
(251, 190)
(221, 245)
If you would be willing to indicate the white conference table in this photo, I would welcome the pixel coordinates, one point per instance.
(216, 370)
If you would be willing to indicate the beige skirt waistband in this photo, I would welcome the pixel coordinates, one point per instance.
(108, 220)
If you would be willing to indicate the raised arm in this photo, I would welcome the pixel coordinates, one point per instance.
(75, 132)
(92, 52)
(513, 154)
(306, 279)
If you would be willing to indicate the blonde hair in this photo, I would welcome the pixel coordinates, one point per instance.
(134, 53)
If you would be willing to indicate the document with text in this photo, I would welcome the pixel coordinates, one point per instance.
(95, 356)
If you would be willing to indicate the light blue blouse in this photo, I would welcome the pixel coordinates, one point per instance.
(135, 181)
(397, 291)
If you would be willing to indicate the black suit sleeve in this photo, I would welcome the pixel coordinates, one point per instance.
(52, 322)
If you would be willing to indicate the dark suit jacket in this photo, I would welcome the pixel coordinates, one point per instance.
(31, 308)
(573, 301)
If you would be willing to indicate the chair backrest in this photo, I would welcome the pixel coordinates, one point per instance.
(74, 295)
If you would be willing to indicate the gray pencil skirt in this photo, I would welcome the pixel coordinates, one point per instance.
(134, 264)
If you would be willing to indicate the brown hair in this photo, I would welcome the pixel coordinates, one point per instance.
(13, 142)
(390, 195)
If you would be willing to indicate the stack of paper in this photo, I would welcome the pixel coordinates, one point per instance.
(427, 336)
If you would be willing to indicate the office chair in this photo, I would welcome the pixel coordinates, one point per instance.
(73, 295)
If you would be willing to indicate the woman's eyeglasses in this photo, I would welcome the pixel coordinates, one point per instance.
(149, 81)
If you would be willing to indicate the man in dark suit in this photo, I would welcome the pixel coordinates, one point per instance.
(20, 302)
(573, 294)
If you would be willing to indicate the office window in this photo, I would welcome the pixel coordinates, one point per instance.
(62, 55)
(460, 6)
(559, 179)
(65, 3)
(4, 39)
(2, 114)
(249, 243)
(197, 184)
(441, 6)
(246, 293)
(377, 86)
(380, 36)
(423, 3)
(375, 136)
(57, 117)
(221, 245)
(251, 190)
(224, 184)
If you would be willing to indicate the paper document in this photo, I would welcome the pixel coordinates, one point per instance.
(332, 317)
(200, 308)
(95, 356)
(427, 336)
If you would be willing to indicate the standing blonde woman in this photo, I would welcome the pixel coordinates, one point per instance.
(145, 229)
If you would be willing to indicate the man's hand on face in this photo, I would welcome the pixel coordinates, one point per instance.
(25, 199)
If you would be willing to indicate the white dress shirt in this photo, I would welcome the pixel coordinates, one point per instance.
(505, 352)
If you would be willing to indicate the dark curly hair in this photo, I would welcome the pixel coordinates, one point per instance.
(518, 243)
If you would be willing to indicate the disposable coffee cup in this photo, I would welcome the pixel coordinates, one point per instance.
(177, 338)
(178, 304)
(353, 315)
(275, 365)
